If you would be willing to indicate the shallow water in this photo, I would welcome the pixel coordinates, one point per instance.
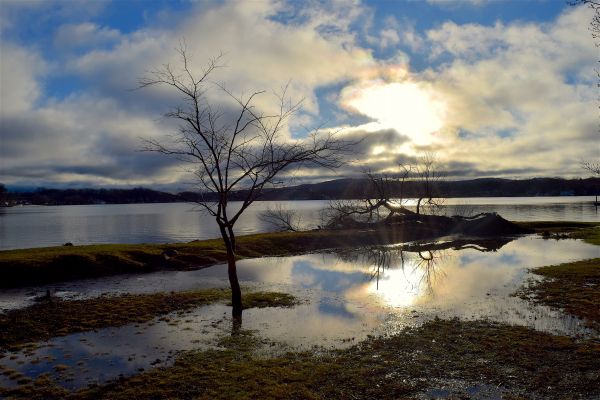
(346, 296)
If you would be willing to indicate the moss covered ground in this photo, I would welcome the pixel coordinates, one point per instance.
(573, 287)
(55, 317)
(516, 361)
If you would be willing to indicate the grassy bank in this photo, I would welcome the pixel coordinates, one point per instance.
(517, 361)
(54, 317)
(56, 264)
(520, 362)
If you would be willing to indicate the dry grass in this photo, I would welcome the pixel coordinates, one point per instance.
(55, 317)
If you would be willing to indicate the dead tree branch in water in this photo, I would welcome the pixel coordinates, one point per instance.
(387, 195)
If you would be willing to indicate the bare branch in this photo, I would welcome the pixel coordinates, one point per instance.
(281, 218)
(240, 152)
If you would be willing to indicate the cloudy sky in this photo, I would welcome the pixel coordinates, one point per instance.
(494, 88)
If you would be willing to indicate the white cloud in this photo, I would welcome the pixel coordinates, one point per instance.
(87, 34)
(520, 95)
(20, 70)
(92, 137)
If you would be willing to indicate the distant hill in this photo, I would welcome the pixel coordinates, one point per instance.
(484, 187)
(330, 190)
(92, 196)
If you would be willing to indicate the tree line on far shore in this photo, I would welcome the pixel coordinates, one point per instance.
(332, 190)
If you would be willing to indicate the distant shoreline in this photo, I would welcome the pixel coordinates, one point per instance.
(340, 189)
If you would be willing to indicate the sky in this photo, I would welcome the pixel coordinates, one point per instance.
(492, 88)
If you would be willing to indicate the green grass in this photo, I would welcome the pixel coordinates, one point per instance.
(51, 318)
(519, 360)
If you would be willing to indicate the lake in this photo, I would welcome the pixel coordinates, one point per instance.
(40, 226)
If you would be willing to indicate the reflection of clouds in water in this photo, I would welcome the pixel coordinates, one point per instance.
(532, 252)
(346, 296)
(306, 275)
(98, 356)
(330, 306)
(325, 321)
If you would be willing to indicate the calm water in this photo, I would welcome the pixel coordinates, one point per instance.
(346, 296)
(39, 226)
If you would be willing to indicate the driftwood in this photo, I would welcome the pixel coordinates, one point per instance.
(485, 224)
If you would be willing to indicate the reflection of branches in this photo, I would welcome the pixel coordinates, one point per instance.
(427, 262)
(381, 259)
(424, 258)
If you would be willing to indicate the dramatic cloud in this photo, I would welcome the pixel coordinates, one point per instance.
(20, 70)
(93, 135)
(508, 98)
(520, 95)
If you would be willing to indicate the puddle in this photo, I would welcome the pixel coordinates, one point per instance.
(346, 297)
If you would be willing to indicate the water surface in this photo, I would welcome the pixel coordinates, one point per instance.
(345, 297)
(39, 226)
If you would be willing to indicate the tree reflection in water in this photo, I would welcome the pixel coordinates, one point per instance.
(421, 260)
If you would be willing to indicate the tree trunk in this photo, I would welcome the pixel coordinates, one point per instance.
(419, 205)
(236, 292)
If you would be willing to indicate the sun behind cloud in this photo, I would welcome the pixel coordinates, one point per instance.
(409, 107)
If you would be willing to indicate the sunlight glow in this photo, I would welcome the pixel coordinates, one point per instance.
(398, 287)
(408, 107)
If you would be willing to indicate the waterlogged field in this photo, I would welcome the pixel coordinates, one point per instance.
(341, 299)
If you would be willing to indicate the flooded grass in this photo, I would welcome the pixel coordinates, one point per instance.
(53, 317)
(573, 287)
(515, 361)
(36, 266)
(589, 232)
(268, 299)
(448, 358)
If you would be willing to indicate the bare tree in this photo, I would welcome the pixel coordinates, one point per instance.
(428, 174)
(386, 194)
(282, 219)
(384, 199)
(234, 148)
(594, 26)
(595, 23)
(594, 168)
